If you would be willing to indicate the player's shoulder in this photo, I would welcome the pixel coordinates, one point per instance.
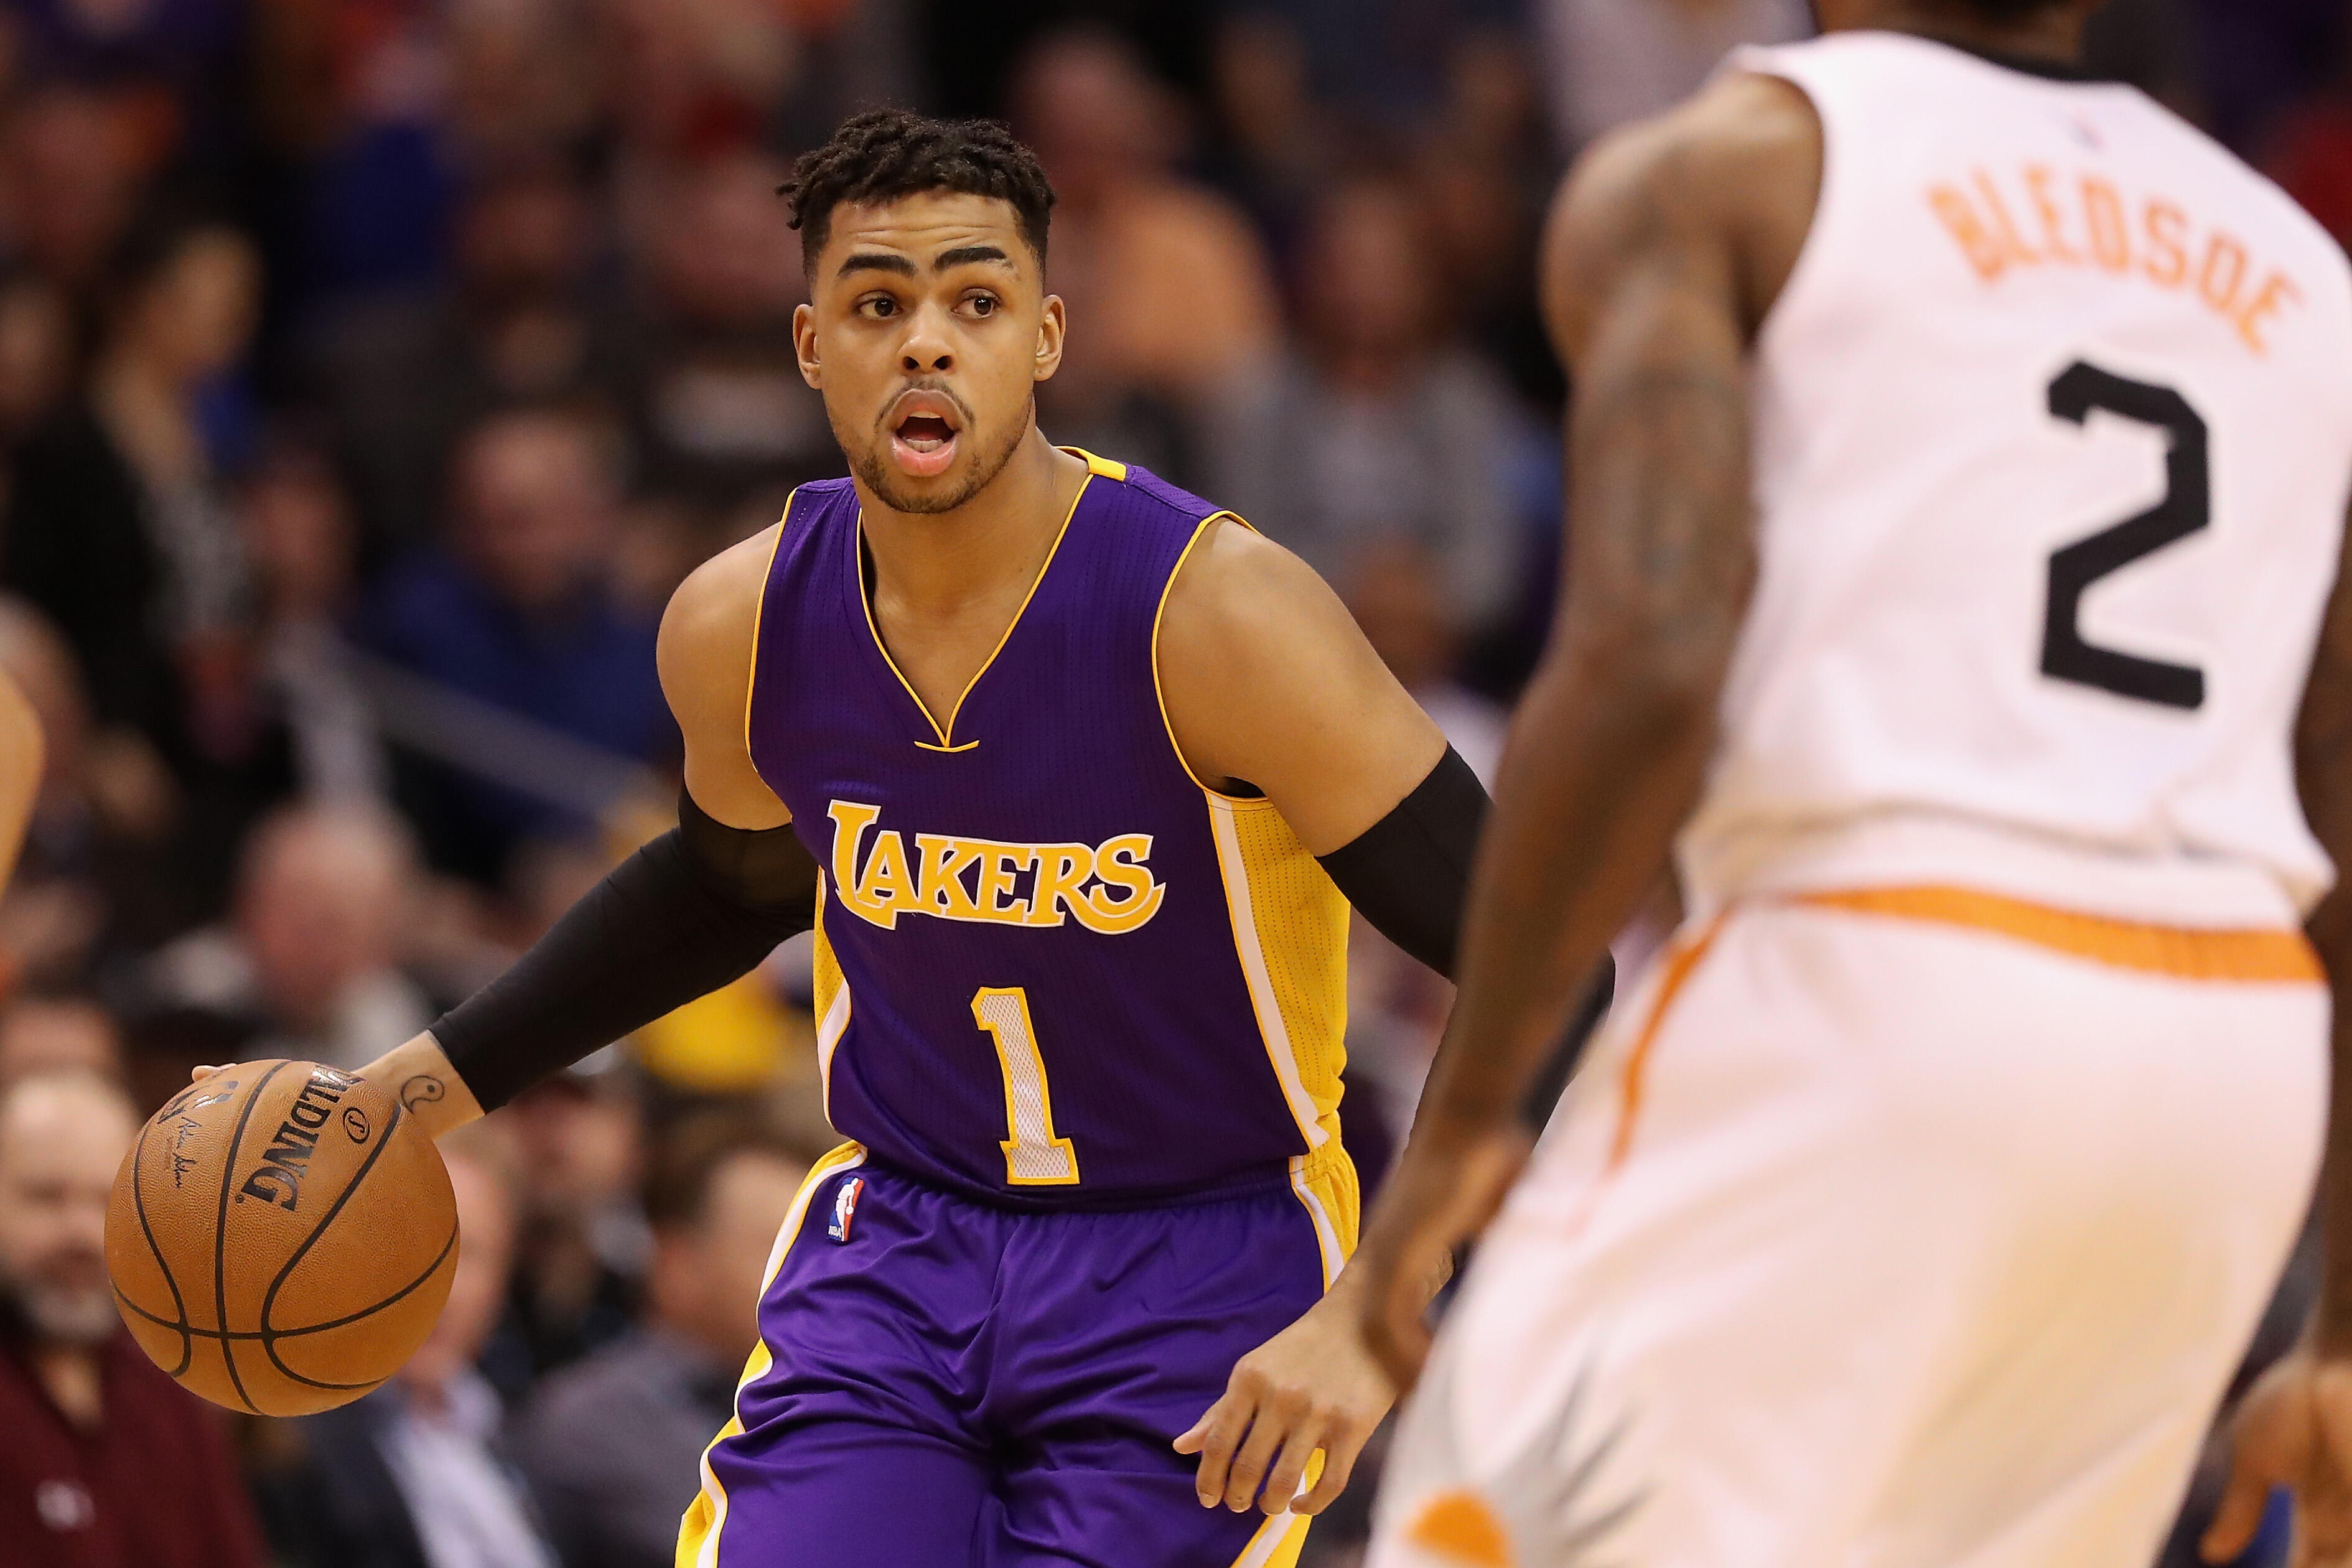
(714, 613)
(1237, 593)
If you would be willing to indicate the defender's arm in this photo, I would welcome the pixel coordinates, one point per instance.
(696, 909)
(2294, 1428)
(1667, 245)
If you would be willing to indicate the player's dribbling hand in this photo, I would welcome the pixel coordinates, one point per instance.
(1441, 1195)
(2295, 1430)
(1311, 1386)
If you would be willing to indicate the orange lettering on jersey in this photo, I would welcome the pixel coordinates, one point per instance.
(2166, 225)
(2085, 224)
(2103, 211)
(2012, 243)
(2277, 289)
(2224, 269)
(2037, 181)
(1978, 243)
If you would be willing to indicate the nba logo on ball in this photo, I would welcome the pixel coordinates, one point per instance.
(845, 1207)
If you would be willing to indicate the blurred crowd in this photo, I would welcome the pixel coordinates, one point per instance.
(371, 370)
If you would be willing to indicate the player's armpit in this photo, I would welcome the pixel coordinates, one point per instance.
(705, 657)
(1266, 679)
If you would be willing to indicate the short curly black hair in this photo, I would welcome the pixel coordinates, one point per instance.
(886, 154)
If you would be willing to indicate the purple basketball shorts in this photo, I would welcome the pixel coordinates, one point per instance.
(945, 1384)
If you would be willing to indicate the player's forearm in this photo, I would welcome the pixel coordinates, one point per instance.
(1601, 768)
(428, 1087)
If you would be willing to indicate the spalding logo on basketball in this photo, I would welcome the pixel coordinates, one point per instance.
(281, 1237)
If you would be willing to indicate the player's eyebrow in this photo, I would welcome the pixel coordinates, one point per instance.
(875, 261)
(963, 255)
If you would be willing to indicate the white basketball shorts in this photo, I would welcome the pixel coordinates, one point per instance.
(1915, 1227)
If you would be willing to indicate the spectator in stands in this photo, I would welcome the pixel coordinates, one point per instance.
(88, 879)
(35, 355)
(611, 1445)
(1170, 291)
(581, 1247)
(720, 418)
(298, 535)
(414, 1475)
(115, 526)
(1378, 429)
(404, 374)
(106, 1463)
(72, 171)
(1616, 60)
(42, 1035)
(309, 966)
(516, 616)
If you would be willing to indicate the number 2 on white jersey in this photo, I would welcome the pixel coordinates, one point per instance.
(1034, 1154)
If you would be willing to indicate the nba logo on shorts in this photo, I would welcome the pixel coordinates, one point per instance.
(845, 1207)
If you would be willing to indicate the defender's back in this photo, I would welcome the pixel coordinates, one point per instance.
(2052, 439)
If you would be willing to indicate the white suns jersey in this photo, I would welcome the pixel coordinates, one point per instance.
(2052, 436)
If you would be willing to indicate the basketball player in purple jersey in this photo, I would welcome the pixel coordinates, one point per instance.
(1076, 776)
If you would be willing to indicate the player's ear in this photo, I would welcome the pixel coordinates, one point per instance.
(805, 345)
(1052, 323)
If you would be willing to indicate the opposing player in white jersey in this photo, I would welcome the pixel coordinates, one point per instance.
(1960, 452)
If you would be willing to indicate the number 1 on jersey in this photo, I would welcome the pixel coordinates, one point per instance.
(1035, 1155)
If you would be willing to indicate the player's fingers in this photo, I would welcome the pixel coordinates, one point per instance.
(2239, 1515)
(1267, 1430)
(1218, 1434)
(198, 1075)
(1341, 1450)
(1281, 1482)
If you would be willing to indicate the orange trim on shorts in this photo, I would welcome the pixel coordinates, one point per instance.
(2263, 955)
(1632, 1082)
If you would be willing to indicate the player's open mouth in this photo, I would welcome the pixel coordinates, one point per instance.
(924, 443)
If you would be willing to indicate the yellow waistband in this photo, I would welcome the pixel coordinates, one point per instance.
(2272, 954)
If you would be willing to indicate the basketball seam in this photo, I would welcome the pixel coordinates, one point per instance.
(220, 1238)
(139, 1204)
(307, 1329)
(268, 1336)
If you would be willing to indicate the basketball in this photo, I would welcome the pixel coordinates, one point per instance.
(281, 1237)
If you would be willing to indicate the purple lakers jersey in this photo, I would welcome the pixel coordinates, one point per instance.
(1051, 965)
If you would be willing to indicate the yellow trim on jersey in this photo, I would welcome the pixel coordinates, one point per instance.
(1290, 934)
(1107, 468)
(829, 999)
(1158, 689)
(1324, 1185)
(758, 609)
(706, 1518)
(946, 734)
(2275, 954)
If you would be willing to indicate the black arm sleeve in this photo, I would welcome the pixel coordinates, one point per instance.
(1409, 872)
(697, 908)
